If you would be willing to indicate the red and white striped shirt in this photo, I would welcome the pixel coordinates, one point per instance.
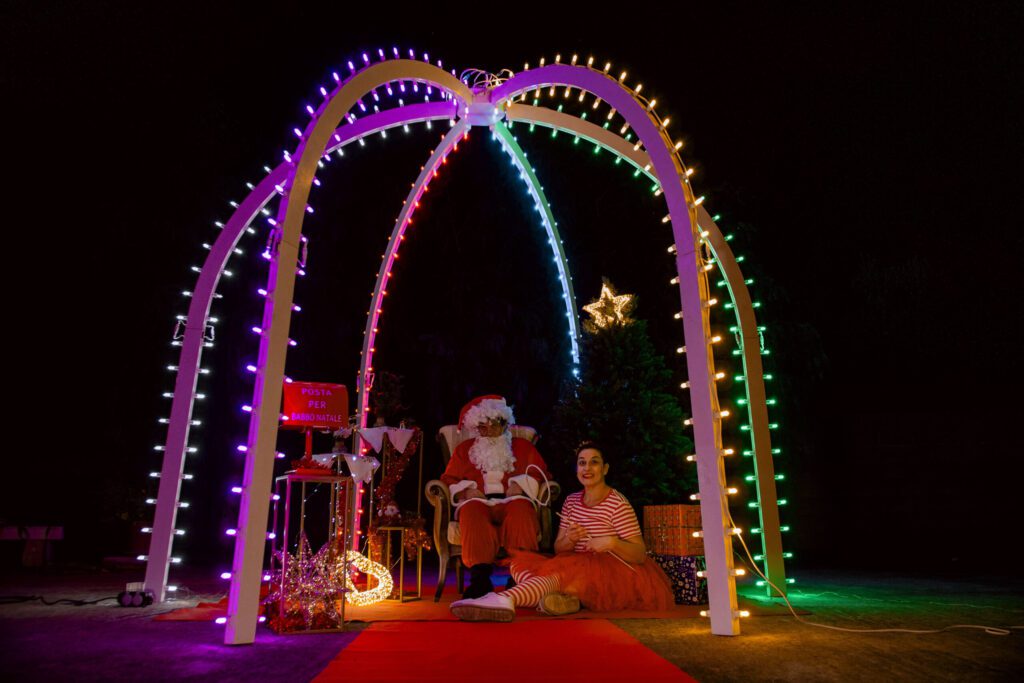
(613, 516)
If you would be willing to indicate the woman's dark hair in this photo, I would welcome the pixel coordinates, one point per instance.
(593, 445)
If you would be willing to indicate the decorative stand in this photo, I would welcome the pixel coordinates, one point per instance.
(395, 459)
(338, 531)
(400, 530)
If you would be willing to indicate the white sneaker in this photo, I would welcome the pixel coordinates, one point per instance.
(491, 607)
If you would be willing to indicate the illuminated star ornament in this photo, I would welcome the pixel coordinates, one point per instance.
(610, 309)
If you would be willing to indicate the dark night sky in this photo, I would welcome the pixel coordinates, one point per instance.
(867, 159)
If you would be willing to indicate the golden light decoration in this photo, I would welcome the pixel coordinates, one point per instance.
(385, 583)
(610, 309)
(311, 589)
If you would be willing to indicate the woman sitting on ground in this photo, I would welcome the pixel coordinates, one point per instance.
(600, 561)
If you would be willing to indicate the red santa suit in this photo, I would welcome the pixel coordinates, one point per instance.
(490, 466)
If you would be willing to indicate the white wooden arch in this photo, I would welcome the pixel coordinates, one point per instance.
(692, 228)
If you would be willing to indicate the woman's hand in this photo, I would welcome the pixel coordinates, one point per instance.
(576, 533)
(601, 544)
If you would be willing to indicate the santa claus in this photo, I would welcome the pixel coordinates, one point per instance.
(494, 479)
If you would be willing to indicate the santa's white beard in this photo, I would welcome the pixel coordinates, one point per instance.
(493, 454)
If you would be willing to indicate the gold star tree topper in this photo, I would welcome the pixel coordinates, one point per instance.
(610, 309)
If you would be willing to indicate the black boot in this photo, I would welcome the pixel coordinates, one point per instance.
(479, 581)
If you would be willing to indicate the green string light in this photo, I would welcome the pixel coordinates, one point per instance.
(735, 352)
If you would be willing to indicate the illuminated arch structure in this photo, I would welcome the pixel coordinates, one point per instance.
(492, 102)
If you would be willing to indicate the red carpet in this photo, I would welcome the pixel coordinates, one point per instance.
(427, 610)
(588, 649)
(204, 611)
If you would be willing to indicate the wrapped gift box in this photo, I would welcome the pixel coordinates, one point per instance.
(682, 571)
(668, 529)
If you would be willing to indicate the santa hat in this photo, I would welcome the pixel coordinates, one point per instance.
(483, 409)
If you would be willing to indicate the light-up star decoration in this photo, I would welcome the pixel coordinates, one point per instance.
(610, 309)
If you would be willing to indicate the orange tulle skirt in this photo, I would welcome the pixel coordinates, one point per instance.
(600, 581)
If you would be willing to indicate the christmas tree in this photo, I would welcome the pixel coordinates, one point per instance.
(624, 400)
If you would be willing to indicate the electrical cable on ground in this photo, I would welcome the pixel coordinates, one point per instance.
(990, 630)
(15, 599)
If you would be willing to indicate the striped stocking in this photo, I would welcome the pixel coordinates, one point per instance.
(529, 592)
